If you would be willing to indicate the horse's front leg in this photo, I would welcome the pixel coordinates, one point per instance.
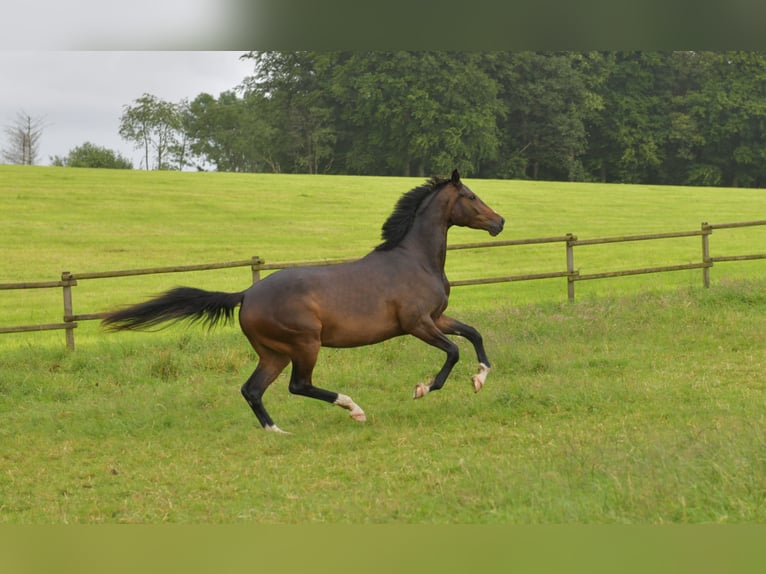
(451, 326)
(428, 332)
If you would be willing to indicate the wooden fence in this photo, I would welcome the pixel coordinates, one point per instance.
(257, 265)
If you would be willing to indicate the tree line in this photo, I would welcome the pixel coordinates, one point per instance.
(682, 118)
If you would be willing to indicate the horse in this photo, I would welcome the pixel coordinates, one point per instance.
(399, 288)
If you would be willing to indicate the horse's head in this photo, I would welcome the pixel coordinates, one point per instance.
(470, 211)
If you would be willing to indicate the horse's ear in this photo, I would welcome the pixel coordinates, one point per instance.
(455, 177)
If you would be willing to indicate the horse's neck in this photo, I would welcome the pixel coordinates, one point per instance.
(427, 239)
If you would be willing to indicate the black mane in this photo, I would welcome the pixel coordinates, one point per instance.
(400, 221)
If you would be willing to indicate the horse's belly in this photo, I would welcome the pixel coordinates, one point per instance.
(356, 332)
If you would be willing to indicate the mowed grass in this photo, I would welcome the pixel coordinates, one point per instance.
(643, 409)
(641, 403)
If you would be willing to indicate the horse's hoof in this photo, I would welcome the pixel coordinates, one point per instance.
(421, 390)
(275, 429)
(354, 411)
(358, 416)
(479, 378)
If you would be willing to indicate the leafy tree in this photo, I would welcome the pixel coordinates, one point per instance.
(547, 102)
(208, 126)
(396, 113)
(729, 111)
(413, 113)
(180, 146)
(294, 89)
(152, 124)
(24, 136)
(91, 155)
(233, 133)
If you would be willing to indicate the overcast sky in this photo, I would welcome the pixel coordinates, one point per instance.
(80, 95)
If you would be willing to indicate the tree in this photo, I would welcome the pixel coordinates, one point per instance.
(235, 134)
(399, 113)
(91, 155)
(152, 124)
(729, 113)
(24, 136)
(295, 88)
(180, 146)
(628, 140)
(547, 101)
(414, 113)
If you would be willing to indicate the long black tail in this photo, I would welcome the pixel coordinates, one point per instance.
(176, 305)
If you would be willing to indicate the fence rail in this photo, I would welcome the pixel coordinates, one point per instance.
(257, 265)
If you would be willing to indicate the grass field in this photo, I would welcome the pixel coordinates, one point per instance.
(642, 403)
(55, 220)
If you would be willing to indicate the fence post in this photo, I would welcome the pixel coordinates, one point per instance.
(707, 229)
(570, 267)
(256, 267)
(68, 282)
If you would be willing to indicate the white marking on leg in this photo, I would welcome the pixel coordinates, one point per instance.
(275, 428)
(355, 411)
(421, 390)
(479, 378)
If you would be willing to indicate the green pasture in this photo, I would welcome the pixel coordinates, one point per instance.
(79, 220)
(641, 403)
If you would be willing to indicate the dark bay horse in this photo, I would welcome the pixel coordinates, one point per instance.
(399, 288)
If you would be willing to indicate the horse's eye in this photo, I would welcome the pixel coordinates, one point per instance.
(472, 197)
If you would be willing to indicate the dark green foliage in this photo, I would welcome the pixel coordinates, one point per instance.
(91, 155)
(685, 118)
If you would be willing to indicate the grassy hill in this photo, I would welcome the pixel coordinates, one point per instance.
(79, 220)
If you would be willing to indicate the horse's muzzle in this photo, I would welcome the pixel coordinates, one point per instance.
(496, 227)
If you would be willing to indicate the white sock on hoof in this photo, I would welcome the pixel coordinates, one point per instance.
(479, 378)
(421, 390)
(354, 410)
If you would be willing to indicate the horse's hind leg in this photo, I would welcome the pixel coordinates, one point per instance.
(268, 369)
(300, 383)
(451, 326)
